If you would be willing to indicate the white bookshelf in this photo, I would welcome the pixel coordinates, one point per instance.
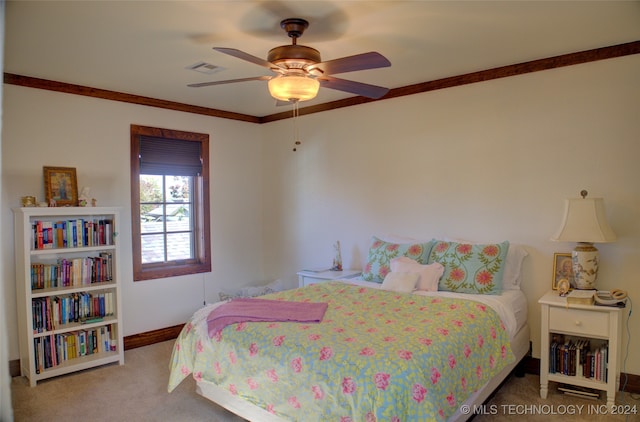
(99, 321)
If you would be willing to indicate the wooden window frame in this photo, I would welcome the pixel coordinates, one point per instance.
(202, 240)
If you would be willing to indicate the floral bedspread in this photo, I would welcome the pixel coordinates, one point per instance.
(376, 356)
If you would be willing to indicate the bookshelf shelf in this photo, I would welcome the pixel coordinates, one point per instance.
(594, 331)
(578, 380)
(80, 363)
(66, 273)
(75, 326)
(67, 290)
(56, 251)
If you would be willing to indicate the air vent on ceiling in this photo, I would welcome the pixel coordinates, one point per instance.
(206, 68)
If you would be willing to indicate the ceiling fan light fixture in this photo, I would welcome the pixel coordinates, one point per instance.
(296, 87)
(300, 69)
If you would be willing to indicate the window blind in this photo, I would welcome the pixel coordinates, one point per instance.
(169, 157)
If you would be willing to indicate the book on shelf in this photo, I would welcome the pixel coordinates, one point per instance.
(72, 272)
(72, 233)
(577, 357)
(55, 349)
(581, 297)
(578, 391)
(57, 311)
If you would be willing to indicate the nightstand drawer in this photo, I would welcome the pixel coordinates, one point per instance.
(307, 278)
(578, 321)
(308, 281)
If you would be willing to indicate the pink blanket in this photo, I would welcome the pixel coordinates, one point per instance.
(250, 309)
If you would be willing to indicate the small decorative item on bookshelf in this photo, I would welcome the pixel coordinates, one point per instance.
(581, 297)
(83, 199)
(28, 201)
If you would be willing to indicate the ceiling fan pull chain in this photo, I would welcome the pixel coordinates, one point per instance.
(296, 132)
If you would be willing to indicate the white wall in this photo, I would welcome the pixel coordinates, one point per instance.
(43, 128)
(6, 411)
(487, 162)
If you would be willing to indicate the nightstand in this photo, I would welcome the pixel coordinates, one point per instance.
(306, 278)
(601, 325)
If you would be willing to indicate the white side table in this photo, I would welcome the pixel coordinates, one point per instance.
(580, 321)
(306, 278)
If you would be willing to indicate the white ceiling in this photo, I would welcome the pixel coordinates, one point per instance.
(143, 47)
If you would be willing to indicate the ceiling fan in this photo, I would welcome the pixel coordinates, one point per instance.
(300, 71)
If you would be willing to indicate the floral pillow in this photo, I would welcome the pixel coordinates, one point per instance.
(470, 268)
(381, 253)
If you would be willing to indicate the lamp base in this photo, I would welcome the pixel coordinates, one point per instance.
(585, 265)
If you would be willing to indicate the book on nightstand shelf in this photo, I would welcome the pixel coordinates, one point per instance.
(577, 391)
(581, 297)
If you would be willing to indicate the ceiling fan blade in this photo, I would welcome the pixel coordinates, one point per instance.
(359, 88)
(248, 57)
(230, 81)
(371, 60)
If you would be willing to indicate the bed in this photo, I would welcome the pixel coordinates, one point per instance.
(379, 352)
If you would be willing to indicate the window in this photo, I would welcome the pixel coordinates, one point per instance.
(169, 203)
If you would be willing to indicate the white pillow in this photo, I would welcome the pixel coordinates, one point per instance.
(511, 277)
(400, 282)
(429, 275)
(512, 266)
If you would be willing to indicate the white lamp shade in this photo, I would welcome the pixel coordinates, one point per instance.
(584, 221)
(293, 87)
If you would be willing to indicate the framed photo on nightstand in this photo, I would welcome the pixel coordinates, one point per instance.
(562, 269)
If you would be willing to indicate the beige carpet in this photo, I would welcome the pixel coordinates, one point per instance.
(137, 391)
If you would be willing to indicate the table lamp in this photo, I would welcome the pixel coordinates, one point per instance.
(584, 222)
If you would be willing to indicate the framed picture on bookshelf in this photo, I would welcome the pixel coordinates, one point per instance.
(562, 270)
(61, 185)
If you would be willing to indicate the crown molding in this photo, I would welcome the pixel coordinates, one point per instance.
(548, 63)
